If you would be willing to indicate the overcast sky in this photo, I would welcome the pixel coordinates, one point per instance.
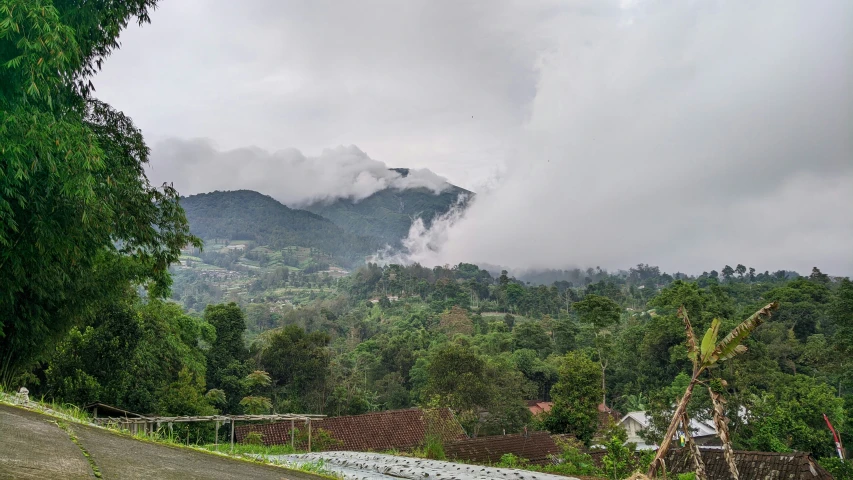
(687, 134)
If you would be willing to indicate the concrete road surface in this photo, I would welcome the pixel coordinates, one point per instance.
(33, 446)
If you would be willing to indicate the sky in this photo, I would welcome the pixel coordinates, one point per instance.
(684, 134)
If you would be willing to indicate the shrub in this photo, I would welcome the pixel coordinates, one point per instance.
(839, 469)
(510, 460)
(254, 438)
(433, 448)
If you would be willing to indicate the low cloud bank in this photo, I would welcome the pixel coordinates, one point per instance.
(197, 166)
(688, 135)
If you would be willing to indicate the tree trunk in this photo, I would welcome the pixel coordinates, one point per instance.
(670, 432)
(721, 422)
(698, 463)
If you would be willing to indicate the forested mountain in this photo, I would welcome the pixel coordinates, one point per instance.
(387, 214)
(249, 215)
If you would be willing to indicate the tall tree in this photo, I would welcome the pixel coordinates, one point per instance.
(597, 310)
(79, 220)
(227, 354)
(298, 364)
(575, 395)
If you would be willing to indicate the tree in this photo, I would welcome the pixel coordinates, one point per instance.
(515, 295)
(728, 272)
(79, 221)
(483, 394)
(227, 354)
(531, 335)
(255, 383)
(575, 395)
(790, 417)
(705, 356)
(456, 321)
(597, 310)
(185, 396)
(457, 379)
(298, 364)
(127, 356)
(819, 277)
(841, 313)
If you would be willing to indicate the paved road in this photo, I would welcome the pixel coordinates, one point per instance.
(32, 446)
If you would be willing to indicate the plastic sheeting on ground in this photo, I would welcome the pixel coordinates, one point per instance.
(376, 466)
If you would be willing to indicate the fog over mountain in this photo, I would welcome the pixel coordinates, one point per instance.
(197, 166)
(684, 134)
(680, 135)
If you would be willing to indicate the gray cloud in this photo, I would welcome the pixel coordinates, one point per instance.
(424, 84)
(685, 134)
(680, 134)
(197, 166)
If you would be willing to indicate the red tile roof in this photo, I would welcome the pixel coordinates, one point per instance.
(400, 429)
(537, 447)
(539, 406)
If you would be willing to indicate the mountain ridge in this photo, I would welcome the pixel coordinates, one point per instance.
(388, 214)
(251, 215)
(346, 229)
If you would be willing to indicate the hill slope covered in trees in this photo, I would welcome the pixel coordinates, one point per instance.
(249, 215)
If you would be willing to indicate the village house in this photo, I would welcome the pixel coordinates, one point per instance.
(704, 432)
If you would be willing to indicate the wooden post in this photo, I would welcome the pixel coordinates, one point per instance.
(216, 437)
(309, 435)
(232, 434)
(292, 435)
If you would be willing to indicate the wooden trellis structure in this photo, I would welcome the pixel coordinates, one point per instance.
(148, 425)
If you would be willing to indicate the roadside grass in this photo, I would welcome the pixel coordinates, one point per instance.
(71, 435)
(243, 449)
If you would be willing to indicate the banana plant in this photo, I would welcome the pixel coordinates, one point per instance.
(705, 355)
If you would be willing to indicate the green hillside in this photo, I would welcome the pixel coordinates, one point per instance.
(249, 215)
(387, 215)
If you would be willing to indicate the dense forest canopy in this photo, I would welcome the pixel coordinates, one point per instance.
(400, 336)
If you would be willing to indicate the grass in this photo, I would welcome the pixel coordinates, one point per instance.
(243, 449)
(318, 468)
(67, 429)
(65, 411)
